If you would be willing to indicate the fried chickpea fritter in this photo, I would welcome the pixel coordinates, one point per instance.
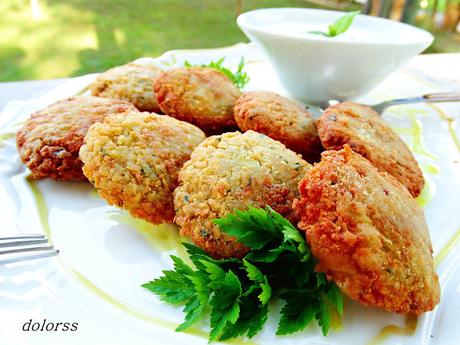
(202, 96)
(368, 233)
(281, 119)
(51, 138)
(133, 160)
(233, 171)
(131, 82)
(364, 130)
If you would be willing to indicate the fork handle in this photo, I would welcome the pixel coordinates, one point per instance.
(442, 97)
(429, 97)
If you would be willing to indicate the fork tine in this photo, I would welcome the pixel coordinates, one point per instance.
(26, 249)
(22, 237)
(29, 257)
(18, 243)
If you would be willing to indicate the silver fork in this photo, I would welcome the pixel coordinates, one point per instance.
(25, 247)
(381, 107)
(428, 98)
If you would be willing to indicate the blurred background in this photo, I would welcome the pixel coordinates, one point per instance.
(45, 39)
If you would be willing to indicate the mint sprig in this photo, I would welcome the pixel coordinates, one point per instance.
(237, 291)
(339, 26)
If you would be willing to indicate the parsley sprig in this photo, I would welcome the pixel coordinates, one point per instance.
(239, 78)
(339, 26)
(238, 291)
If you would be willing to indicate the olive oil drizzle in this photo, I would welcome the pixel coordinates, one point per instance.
(163, 237)
(410, 325)
(110, 299)
(450, 124)
(4, 137)
(42, 208)
(428, 191)
(444, 252)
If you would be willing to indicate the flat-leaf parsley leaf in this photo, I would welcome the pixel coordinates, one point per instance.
(239, 77)
(237, 291)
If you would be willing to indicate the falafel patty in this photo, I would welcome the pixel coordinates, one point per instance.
(133, 161)
(234, 171)
(202, 96)
(131, 82)
(281, 119)
(51, 138)
(368, 233)
(364, 130)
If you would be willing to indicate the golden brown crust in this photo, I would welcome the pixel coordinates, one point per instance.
(50, 140)
(133, 160)
(131, 82)
(368, 233)
(366, 133)
(234, 171)
(202, 96)
(281, 119)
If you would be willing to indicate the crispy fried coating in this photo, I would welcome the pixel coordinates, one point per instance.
(368, 233)
(281, 119)
(131, 82)
(364, 130)
(234, 171)
(202, 96)
(50, 140)
(133, 160)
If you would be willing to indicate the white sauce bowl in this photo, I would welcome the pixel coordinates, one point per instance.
(314, 68)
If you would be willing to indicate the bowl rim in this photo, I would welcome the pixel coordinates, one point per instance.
(244, 23)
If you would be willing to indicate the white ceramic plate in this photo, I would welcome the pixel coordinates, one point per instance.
(105, 255)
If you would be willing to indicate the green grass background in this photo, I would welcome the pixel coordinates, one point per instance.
(74, 37)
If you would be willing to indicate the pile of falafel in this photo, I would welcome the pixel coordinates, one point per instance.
(185, 145)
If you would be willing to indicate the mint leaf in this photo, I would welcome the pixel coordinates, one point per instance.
(321, 33)
(342, 24)
(339, 26)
